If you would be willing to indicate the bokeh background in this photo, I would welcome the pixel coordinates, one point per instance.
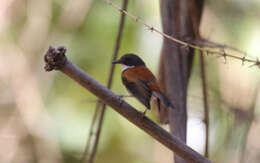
(45, 117)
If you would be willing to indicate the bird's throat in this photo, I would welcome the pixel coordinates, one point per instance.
(125, 67)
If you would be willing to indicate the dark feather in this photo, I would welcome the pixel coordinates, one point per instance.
(161, 98)
(161, 105)
(139, 90)
(164, 100)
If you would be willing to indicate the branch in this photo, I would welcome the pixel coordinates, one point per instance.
(250, 117)
(91, 132)
(206, 42)
(56, 59)
(205, 102)
(109, 84)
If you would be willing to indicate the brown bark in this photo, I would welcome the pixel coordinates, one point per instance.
(180, 19)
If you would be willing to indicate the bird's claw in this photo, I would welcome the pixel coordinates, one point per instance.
(120, 100)
(143, 114)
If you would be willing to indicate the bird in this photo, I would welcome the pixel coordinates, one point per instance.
(143, 85)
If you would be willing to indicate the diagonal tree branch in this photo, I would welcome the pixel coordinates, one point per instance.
(56, 59)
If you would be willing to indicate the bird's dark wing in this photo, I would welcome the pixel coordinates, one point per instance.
(159, 103)
(139, 90)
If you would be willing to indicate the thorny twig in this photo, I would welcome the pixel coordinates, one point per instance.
(204, 48)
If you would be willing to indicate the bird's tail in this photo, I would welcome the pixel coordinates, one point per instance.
(162, 105)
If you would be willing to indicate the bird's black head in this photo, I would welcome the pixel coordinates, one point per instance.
(130, 60)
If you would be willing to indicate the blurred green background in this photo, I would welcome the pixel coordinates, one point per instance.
(45, 117)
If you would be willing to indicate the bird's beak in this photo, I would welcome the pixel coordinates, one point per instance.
(116, 61)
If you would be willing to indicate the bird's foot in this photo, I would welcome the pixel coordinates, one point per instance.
(120, 97)
(120, 100)
(143, 113)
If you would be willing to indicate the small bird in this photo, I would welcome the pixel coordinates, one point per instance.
(142, 84)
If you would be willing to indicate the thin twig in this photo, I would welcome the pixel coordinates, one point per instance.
(206, 49)
(56, 59)
(250, 119)
(205, 102)
(206, 42)
(96, 140)
(91, 132)
(111, 74)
